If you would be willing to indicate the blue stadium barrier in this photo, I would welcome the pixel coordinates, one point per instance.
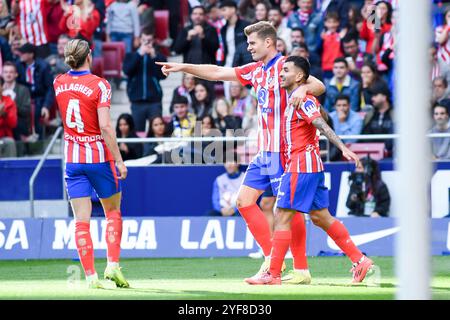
(162, 237)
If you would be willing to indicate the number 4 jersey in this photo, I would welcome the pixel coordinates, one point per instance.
(79, 94)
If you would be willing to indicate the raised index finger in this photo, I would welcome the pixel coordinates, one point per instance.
(162, 63)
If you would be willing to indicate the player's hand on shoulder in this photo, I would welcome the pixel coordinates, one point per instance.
(123, 171)
(298, 96)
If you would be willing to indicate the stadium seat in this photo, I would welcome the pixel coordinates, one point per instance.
(97, 66)
(375, 149)
(113, 55)
(162, 29)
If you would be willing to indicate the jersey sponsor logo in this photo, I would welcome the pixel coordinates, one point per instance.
(84, 138)
(266, 110)
(364, 238)
(262, 96)
(309, 148)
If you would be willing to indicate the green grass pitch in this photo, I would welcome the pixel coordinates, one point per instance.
(215, 278)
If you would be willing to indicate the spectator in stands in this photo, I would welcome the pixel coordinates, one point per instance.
(186, 89)
(223, 117)
(380, 120)
(297, 37)
(302, 51)
(310, 21)
(8, 121)
(331, 43)
(341, 83)
(369, 31)
(369, 78)
(5, 52)
(247, 9)
(355, 20)
(125, 129)
(143, 88)
(440, 86)
(233, 31)
(123, 24)
(157, 129)
(6, 21)
(203, 103)
(250, 119)
(56, 61)
(99, 33)
(21, 96)
(32, 30)
(54, 16)
(341, 8)
(281, 46)
(262, 11)
(216, 20)
(345, 121)
(440, 146)
(283, 32)
(369, 195)
(198, 42)
(384, 45)
(355, 58)
(235, 41)
(240, 101)
(183, 122)
(287, 8)
(225, 190)
(443, 45)
(208, 126)
(36, 74)
(16, 43)
(80, 20)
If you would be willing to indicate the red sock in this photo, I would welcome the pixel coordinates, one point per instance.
(298, 242)
(338, 232)
(258, 226)
(84, 246)
(281, 240)
(113, 235)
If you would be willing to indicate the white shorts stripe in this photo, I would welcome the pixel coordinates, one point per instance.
(76, 153)
(101, 151)
(88, 152)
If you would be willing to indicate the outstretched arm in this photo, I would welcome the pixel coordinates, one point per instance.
(204, 71)
(325, 129)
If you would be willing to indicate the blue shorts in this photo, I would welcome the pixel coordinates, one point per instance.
(264, 171)
(82, 178)
(303, 192)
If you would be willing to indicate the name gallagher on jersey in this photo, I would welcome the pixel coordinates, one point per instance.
(74, 87)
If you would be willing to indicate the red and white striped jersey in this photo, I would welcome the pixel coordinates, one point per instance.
(272, 99)
(32, 21)
(79, 95)
(302, 152)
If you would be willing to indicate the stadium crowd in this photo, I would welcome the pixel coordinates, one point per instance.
(350, 45)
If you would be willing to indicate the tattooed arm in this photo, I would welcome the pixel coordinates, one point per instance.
(325, 129)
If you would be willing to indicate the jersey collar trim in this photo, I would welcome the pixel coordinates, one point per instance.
(272, 62)
(78, 73)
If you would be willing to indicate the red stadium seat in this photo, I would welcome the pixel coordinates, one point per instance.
(141, 134)
(113, 55)
(375, 149)
(97, 66)
(162, 29)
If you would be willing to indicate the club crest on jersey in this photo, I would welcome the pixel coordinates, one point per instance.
(309, 148)
(262, 96)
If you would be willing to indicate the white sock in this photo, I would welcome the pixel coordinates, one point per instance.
(92, 277)
(302, 270)
(113, 264)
